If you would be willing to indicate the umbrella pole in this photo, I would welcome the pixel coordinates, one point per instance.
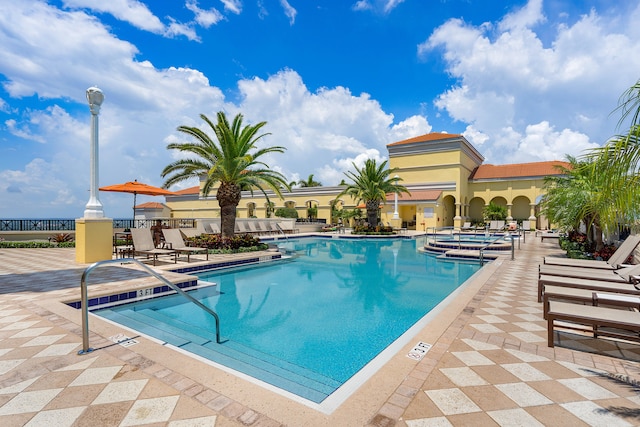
(133, 223)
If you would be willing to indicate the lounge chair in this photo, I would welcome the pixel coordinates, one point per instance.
(264, 226)
(621, 275)
(619, 257)
(588, 296)
(202, 228)
(173, 237)
(594, 285)
(466, 226)
(242, 227)
(215, 228)
(596, 317)
(190, 232)
(549, 235)
(143, 245)
(254, 228)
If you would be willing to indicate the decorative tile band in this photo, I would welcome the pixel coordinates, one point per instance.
(130, 296)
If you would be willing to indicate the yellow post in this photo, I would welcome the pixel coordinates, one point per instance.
(94, 239)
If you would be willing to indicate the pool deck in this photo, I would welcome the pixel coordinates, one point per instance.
(488, 365)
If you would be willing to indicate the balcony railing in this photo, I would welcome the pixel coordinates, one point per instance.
(70, 224)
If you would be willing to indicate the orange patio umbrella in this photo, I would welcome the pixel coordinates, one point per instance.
(136, 188)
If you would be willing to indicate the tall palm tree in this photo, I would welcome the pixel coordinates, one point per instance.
(310, 182)
(230, 160)
(371, 185)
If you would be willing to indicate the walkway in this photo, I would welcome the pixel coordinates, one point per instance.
(489, 364)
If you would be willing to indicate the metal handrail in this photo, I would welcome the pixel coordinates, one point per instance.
(281, 231)
(85, 299)
(482, 248)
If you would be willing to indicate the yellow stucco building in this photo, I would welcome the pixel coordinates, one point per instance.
(445, 174)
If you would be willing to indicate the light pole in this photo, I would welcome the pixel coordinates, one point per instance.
(93, 209)
(395, 207)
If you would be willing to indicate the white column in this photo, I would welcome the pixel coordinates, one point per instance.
(93, 209)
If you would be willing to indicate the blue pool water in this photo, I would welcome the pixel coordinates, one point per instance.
(321, 317)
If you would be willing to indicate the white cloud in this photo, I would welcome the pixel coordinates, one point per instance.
(205, 18)
(234, 6)
(324, 131)
(176, 29)
(381, 6)
(362, 5)
(510, 83)
(289, 11)
(131, 11)
(525, 17)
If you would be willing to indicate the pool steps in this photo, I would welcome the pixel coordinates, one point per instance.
(292, 378)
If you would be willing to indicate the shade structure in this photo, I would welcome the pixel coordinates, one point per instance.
(135, 188)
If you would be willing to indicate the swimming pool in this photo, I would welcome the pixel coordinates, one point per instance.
(309, 324)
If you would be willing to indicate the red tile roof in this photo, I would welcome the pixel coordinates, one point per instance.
(435, 136)
(190, 190)
(518, 170)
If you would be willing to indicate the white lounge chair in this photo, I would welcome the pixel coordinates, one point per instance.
(582, 283)
(616, 261)
(173, 237)
(621, 275)
(143, 245)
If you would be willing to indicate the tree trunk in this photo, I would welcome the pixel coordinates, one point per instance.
(228, 196)
(372, 212)
(598, 237)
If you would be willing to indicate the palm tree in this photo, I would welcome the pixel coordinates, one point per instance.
(618, 164)
(371, 185)
(310, 182)
(578, 196)
(231, 160)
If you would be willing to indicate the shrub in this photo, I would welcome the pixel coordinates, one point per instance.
(286, 213)
(5, 244)
(237, 243)
(377, 230)
(61, 238)
(577, 246)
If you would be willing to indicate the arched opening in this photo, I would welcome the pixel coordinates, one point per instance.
(448, 211)
(521, 209)
(476, 206)
(251, 210)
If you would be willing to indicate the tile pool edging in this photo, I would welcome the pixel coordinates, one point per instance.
(157, 291)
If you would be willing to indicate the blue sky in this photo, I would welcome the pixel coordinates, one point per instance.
(335, 80)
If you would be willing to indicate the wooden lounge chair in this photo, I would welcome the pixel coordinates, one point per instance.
(625, 322)
(594, 285)
(173, 237)
(616, 261)
(143, 245)
(588, 296)
(549, 235)
(621, 275)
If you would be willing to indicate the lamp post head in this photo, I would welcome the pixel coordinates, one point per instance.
(95, 98)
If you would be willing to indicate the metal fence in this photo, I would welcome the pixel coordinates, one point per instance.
(70, 224)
